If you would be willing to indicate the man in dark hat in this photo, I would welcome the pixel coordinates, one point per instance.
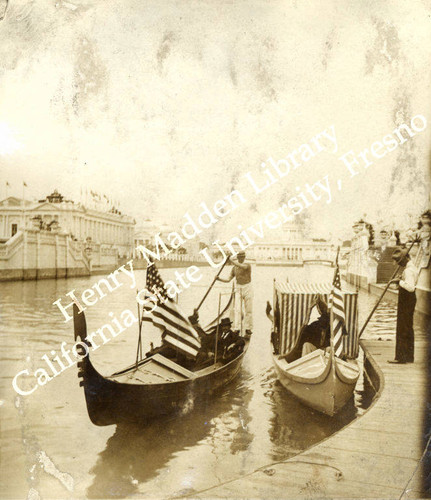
(230, 343)
(241, 271)
(404, 346)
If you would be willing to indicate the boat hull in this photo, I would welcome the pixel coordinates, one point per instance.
(155, 386)
(110, 402)
(318, 380)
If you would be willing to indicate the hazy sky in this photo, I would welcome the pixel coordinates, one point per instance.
(165, 104)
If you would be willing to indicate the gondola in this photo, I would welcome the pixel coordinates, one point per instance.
(320, 379)
(154, 386)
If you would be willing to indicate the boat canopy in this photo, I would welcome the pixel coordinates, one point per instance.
(293, 304)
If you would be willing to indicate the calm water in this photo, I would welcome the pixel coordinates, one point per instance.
(49, 445)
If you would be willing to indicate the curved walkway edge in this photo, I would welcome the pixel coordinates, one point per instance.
(378, 455)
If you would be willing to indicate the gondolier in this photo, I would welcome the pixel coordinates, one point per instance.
(241, 271)
(404, 346)
(167, 378)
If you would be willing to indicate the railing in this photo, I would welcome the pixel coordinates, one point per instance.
(77, 250)
(183, 257)
(8, 249)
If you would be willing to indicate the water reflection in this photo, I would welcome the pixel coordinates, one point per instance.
(294, 426)
(224, 439)
(251, 423)
(135, 455)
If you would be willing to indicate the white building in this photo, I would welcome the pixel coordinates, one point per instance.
(110, 229)
(291, 247)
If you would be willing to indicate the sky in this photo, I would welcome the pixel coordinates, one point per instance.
(164, 105)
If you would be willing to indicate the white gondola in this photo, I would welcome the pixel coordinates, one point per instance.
(319, 379)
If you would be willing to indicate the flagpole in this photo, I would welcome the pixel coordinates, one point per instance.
(139, 348)
(331, 340)
(331, 322)
(336, 263)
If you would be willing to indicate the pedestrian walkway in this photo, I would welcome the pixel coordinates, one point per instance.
(377, 456)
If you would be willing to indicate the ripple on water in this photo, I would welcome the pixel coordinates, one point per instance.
(251, 423)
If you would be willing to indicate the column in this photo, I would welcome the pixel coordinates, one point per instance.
(37, 254)
(24, 254)
(67, 256)
(56, 255)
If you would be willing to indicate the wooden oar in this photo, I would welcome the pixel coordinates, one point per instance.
(384, 291)
(212, 284)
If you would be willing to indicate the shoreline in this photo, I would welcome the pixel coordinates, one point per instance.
(63, 273)
(377, 455)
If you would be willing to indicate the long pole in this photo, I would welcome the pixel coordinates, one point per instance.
(212, 284)
(139, 348)
(384, 291)
(240, 311)
(217, 330)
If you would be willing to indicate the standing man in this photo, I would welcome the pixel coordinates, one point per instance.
(241, 271)
(404, 347)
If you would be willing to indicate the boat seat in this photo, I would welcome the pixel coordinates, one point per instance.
(318, 353)
(154, 370)
(171, 365)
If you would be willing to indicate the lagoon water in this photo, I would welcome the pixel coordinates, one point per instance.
(49, 447)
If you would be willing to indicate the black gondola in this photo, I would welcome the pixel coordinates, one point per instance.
(154, 386)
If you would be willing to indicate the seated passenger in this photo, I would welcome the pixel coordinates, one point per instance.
(317, 335)
(207, 339)
(231, 344)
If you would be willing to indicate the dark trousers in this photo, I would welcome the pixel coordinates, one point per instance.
(404, 347)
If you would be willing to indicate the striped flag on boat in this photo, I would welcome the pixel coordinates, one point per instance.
(336, 303)
(178, 332)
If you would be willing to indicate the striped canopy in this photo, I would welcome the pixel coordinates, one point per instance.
(293, 303)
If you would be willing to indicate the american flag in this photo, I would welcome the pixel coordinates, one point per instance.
(178, 332)
(336, 303)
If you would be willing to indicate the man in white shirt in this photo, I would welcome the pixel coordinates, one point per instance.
(241, 271)
(404, 347)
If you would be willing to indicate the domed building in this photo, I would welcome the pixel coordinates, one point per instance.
(292, 247)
